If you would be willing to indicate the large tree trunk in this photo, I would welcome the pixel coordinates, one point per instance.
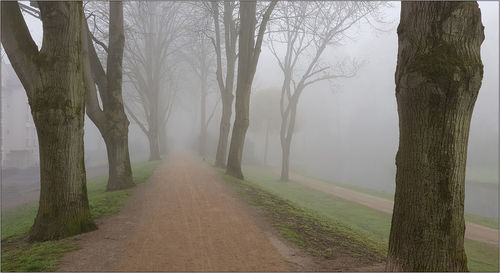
(119, 169)
(246, 72)
(438, 77)
(249, 52)
(54, 84)
(111, 120)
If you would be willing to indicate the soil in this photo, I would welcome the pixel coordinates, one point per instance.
(472, 231)
(186, 219)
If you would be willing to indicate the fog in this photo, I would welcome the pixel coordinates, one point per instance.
(347, 129)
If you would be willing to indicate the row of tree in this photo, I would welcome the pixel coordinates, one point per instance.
(438, 76)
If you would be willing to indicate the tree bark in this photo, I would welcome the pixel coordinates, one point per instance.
(226, 89)
(438, 76)
(53, 79)
(111, 121)
(249, 51)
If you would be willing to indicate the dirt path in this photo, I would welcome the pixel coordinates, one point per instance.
(472, 231)
(183, 219)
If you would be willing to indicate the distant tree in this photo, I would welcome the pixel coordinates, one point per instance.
(264, 115)
(111, 119)
(226, 85)
(306, 29)
(200, 56)
(438, 76)
(54, 82)
(249, 51)
(154, 30)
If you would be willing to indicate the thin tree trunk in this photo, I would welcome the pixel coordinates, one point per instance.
(287, 129)
(225, 126)
(203, 118)
(266, 145)
(53, 81)
(227, 97)
(438, 76)
(154, 147)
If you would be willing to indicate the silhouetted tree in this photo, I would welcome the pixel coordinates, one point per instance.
(153, 31)
(306, 29)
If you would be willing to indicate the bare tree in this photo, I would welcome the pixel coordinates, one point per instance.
(53, 80)
(226, 86)
(111, 119)
(265, 116)
(438, 76)
(306, 29)
(249, 51)
(154, 29)
(199, 55)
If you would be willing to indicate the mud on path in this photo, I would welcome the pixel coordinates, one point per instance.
(183, 219)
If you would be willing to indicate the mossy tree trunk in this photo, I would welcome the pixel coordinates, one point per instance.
(111, 119)
(53, 80)
(438, 76)
(249, 52)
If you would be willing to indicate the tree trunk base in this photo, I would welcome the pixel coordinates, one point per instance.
(118, 184)
(46, 229)
(235, 173)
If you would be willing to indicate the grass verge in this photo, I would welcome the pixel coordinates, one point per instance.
(473, 218)
(309, 230)
(19, 255)
(366, 222)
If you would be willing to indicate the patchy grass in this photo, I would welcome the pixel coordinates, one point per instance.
(314, 233)
(19, 255)
(366, 222)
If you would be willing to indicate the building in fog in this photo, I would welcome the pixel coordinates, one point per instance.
(19, 139)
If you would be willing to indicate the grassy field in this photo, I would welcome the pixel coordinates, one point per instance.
(19, 255)
(362, 220)
(480, 220)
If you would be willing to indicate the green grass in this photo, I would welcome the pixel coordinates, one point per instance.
(480, 220)
(473, 218)
(22, 256)
(314, 233)
(360, 219)
(19, 255)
